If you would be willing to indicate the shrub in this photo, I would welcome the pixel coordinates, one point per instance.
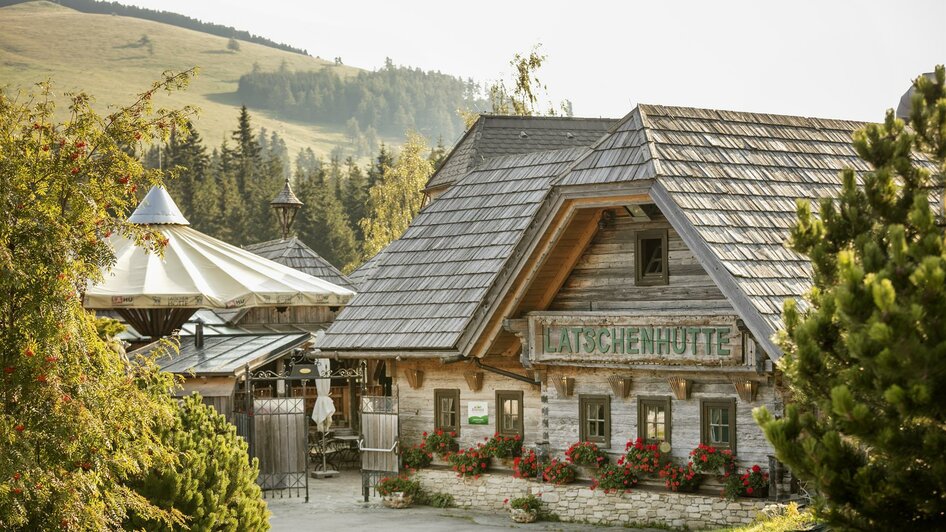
(504, 446)
(526, 466)
(400, 483)
(558, 472)
(416, 457)
(440, 442)
(471, 462)
(437, 500)
(754, 482)
(709, 459)
(644, 458)
(681, 478)
(529, 503)
(214, 482)
(614, 478)
(585, 453)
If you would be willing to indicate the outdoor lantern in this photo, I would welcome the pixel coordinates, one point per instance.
(680, 386)
(745, 388)
(415, 377)
(620, 385)
(474, 379)
(565, 386)
(286, 206)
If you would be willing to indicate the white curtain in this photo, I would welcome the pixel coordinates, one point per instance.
(324, 407)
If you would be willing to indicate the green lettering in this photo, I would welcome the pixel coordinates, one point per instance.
(602, 332)
(547, 341)
(564, 341)
(577, 344)
(647, 340)
(617, 341)
(662, 340)
(722, 341)
(632, 340)
(679, 340)
(709, 339)
(590, 344)
(693, 332)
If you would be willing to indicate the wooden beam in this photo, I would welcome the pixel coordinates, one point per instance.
(510, 293)
(568, 262)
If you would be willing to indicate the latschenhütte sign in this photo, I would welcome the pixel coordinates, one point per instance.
(590, 337)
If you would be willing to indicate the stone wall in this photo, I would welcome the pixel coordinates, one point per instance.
(579, 503)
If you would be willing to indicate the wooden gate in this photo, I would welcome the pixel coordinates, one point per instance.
(379, 441)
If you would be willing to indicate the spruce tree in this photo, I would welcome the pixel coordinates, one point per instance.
(355, 197)
(213, 484)
(186, 159)
(322, 224)
(865, 358)
(381, 166)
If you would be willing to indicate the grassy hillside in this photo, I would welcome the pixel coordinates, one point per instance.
(101, 54)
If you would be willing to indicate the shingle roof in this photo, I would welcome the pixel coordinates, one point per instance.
(363, 273)
(433, 278)
(227, 354)
(727, 181)
(293, 253)
(500, 135)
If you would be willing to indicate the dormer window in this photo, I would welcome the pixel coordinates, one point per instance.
(650, 262)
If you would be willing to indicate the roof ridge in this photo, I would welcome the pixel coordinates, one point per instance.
(651, 145)
(655, 110)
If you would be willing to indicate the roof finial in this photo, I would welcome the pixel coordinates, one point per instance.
(286, 205)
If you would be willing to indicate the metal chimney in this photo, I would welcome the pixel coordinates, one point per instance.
(199, 334)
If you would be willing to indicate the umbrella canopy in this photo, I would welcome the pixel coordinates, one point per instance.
(324, 406)
(199, 271)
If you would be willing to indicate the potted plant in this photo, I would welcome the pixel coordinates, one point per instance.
(681, 478)
(587, 457)
(441, 443)
(416, 457)
(558, 472)
(397, 492)
(471, 462)
(713, 461)
(524, 509)
(753, 483)
(504, 448)
(644, 458)
(613, 478)
(526, 466)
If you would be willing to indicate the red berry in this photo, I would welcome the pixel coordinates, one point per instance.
(16, 476)
(28, 351)
(41, 378)
(51, 359)
(19, 428)
(123, 179)
(75, 170)
(8, 370)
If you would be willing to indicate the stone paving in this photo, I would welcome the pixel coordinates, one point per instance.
(336, 504)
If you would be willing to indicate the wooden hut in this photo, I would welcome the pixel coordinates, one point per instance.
(626, 288)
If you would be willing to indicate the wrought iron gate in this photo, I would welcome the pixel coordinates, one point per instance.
(379, 440)
(271, 414)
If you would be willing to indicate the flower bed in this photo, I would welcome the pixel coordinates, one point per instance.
(615, 478)
(526, 466)
(441, 443)
(558, 472)
(753, 483)
(471, 462)
(585, 453)
(644, 458)
(504, 446)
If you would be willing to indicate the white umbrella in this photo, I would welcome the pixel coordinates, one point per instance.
(200, 271)
(324, 406)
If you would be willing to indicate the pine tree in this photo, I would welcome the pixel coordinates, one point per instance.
(355, 197)
(397, 196)
(438, 154)
(866, 360)
(186, 158)
(322, 223)
(382, 165)
(214, 483)
(246, 152)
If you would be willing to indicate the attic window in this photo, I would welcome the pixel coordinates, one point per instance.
(569, 135)
(650, 258)
(523, 135)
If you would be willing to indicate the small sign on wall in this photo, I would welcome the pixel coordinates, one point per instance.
(478, 413)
